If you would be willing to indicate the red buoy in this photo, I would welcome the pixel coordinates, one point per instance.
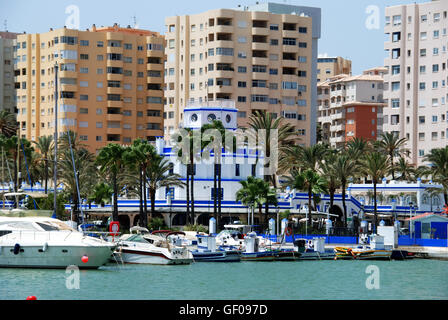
(31, 298)
(85, 259)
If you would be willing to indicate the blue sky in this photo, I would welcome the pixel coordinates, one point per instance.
(344, 31)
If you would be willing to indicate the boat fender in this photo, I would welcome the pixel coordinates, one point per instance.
(45, 247)
(16, 249)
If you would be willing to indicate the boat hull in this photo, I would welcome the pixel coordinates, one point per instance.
(219, 256)
(287, 256)
(142, 257)
(258, 256)
(317, 256)
(54, 257)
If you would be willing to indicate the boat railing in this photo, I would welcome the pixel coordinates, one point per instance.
(39, 235)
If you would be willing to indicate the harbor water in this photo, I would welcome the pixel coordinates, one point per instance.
(304, 280)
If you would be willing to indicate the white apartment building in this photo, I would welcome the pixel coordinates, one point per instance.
(263, 57)
(416, 85)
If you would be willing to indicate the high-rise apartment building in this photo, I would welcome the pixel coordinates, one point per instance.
(262, 57)
(328, 67)
(7, 90)
(416, 86)
(110, 84)
(351, 107)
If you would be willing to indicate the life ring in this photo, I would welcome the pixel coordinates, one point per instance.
(288, 231)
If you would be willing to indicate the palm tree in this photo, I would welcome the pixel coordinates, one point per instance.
(110, 159)
(438, 168)
(217, 154)
(193, 143)
(102, 193)
(328, 170)
(407, 171)
(77, 173)
(303, 158)
(375, 165)
(8, 124)
(309, 181)
(253, 193)
(345, 168)
(391, 144)
(284, 133)
(159, 176)
(139, 156)
(45, 146)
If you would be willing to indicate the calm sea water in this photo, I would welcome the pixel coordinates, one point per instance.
(311, 280)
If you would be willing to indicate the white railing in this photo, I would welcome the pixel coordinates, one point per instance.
(215, 104)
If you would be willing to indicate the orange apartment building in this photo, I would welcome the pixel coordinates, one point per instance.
(351, 107)
(110, 84)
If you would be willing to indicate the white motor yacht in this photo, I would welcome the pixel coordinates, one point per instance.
(141, 247)
(36, 242)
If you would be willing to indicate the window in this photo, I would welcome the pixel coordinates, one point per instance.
(302, 44)
(84, 43)
(83, 70)
(395, 103)
(240, 69)
(395, 86)
(224, 51)
(396, 20)
(242, 99)
(303, 30)
(396, 69)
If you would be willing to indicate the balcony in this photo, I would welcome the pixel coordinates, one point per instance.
(69, 87)
(337, 140)
(260, 31)
(114, 77)
(114, 63)
(260, 46)
(338, 128)
(114, 117)
(113, 90)
(68, 74)
(337, 116)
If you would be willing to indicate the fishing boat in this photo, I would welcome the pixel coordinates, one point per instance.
(374, 251)
(253, 252)
(208, 252)
(43, 242)
(313, 249)
(142, 247)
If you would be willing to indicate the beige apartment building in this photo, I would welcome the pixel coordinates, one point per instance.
(351, 107)
(261, 57)
(110, 84)
(328, 67)
(416, 86)
(7, 90)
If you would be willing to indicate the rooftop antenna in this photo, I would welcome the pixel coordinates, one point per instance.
(135, 22)
(5, 25)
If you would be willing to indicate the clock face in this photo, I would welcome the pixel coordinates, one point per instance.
(194, 118)
(228, 118)
(211, 117)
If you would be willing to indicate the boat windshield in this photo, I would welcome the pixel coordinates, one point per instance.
(136, 238)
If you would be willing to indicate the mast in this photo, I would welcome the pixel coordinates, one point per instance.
(55, 170)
